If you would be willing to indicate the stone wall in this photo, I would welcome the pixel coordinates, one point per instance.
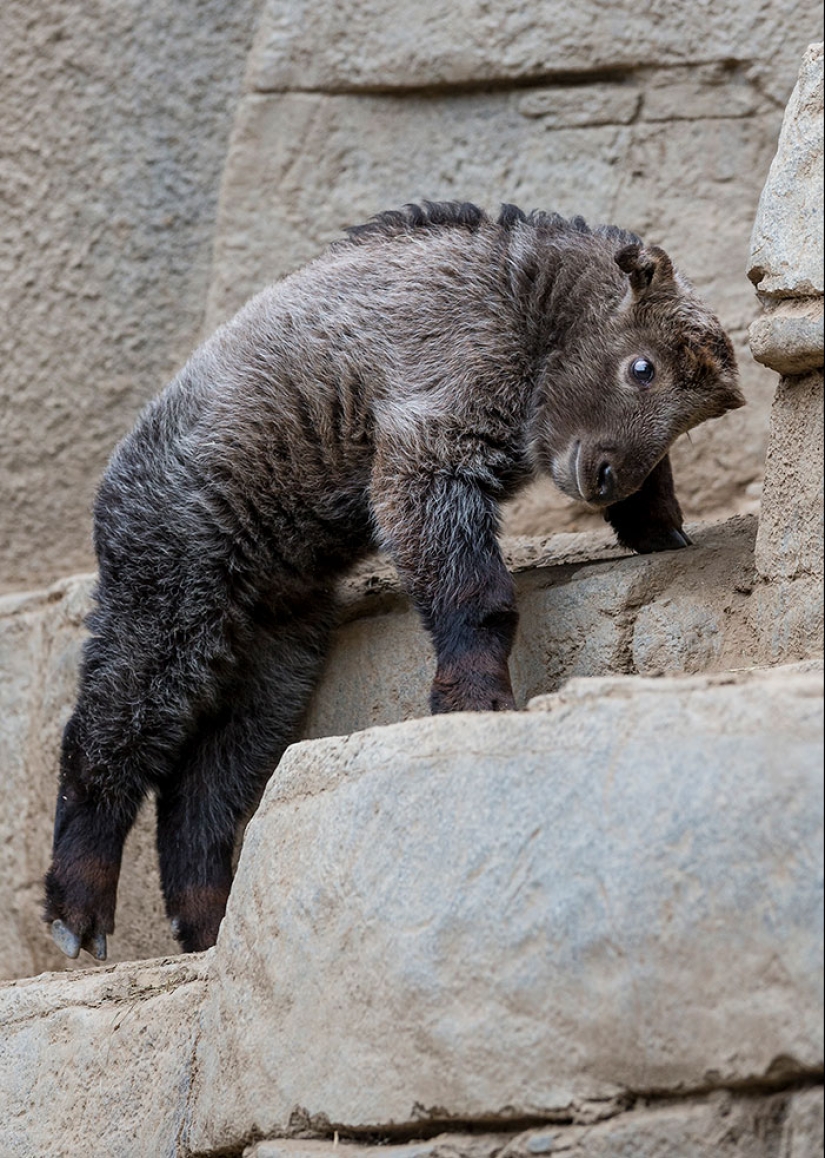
(116, 128)
(116, 118)
(600, 918)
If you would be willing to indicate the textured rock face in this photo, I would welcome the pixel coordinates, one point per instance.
(387, 44)
(786, 245)
(526, 913)
(583, 612)
(721, 1126)
(786, 263)
(555, 913)
(98, 1063)
(115, 124)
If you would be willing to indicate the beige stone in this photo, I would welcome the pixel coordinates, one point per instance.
(787, 603)
(786, 257)
(722, 1125)
(525, 914)
(99, 1063)
(115, 124)
(790, 337)
(802, 1136)
(790, 540)
(341, 46)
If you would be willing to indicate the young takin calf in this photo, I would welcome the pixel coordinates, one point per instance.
(390, 394)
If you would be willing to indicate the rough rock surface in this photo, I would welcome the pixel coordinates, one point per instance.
(786, 263)
(719, 1126)
(525, 913)
(98, 1063)
(40, 637)
(786, 245)
(790, 540)
(385, 44)
(116, 119)
(786, 260)
(585, 610)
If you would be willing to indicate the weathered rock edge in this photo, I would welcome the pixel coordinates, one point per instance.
(524, 917)
(788, 1124)
(485, 918)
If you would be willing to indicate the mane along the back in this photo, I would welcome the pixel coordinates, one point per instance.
(441, 215)
(428, 215)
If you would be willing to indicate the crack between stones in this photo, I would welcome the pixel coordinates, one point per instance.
(318, 1127)
(618, 75)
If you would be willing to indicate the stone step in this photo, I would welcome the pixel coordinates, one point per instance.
(514, 915)
(539, 916)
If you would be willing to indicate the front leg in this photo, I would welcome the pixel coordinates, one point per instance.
(439, 523)
(650, 519)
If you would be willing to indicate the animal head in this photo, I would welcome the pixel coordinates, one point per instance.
(648, 362)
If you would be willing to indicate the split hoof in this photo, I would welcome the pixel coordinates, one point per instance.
(66, 941)
(69, 943)
(95, 945)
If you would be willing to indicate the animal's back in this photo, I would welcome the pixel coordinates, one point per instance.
(262, 445)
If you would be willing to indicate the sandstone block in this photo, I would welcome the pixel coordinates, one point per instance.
(387, 44)
(786, 246)
(789, 544)
(525, 914)
(803, 1134)
(98, 1063)
(585, 610)
(722, 1124)
(115, 128)
(790, 337)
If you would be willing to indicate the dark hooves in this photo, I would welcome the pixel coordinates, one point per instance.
(69, 943)
(672, 540)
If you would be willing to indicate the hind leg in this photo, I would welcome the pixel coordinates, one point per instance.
(135, 708)
(225, 766)
(92, 820)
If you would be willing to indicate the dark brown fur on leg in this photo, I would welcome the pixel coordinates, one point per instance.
(651, 519)
(441, 529)
(89, 831)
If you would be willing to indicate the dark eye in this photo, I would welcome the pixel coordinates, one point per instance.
(642, 371)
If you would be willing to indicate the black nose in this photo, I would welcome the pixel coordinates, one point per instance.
(606, 482)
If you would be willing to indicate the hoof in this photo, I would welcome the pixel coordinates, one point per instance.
(95, 945)
(70, 944)
(66, 941)
(672, 540)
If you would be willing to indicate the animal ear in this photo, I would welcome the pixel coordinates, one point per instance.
(646, 267)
